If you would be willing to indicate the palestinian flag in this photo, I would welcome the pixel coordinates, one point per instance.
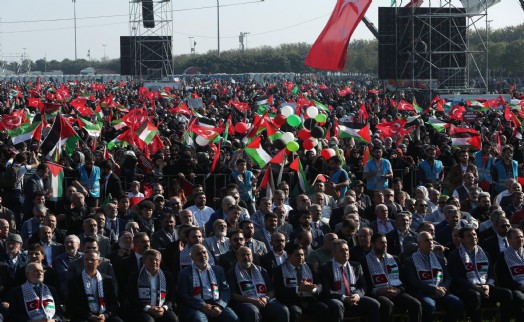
(302, 182)
(256, 153)
(26, 132)
(322, 106)
(92, 129)
(123, 139)
(57, 179)
(362, 134)
(146, 132)
(60, 135)
(439, 125)
(471, 142)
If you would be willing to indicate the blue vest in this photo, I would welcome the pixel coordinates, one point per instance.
(244, 188)
(500, 185)
(376, 182)
(91, 183)
(431, 173)
(484, 170)
(335, 178)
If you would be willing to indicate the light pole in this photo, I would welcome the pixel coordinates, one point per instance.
(74, 13)
(218, 27)
(104, 45)
(191, 50)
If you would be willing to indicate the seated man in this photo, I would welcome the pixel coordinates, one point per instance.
(152, 291)
(251, 291)
(382, 273)
(33, 300)
(92, 296)
(429, 281)
(295, 287)
(203, 291)
(344, 286)
(473, 278)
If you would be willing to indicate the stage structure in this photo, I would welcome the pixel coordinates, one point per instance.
(147, 52)
(428, 47)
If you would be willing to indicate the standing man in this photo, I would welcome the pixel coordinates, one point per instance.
(429, 281)
(203, 290)
(382, 273)
(244, 179)
(91, 294)
(505, 168)
(377, 171)
(484, 162)
(430, 170)
(252, 290)
(200, 211)
(87, 180)
(110, 182)
(338, 177)
(344, 286)
(474, 278)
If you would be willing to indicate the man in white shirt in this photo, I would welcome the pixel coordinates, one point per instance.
(200, 211)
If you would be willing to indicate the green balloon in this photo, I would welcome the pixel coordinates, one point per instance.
(293, 120)
(292, 146)
(321, 118)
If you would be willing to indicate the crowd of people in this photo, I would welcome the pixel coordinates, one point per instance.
(399, 217)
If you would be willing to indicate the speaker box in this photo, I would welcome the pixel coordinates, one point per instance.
(148, 14)
(409, 39)
(144, 55)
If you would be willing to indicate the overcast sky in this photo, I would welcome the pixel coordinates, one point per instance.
(102, 22)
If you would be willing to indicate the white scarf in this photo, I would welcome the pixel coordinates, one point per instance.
(197, 282)
(253, 285)
(337, 276)
(478, 273)
(144, 287)
(97, 305)
(432, 274)
(290, 274)
(38, 308)
(515, 265)
(381, 278)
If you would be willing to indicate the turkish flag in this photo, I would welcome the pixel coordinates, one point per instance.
(391, 128)
(424, 275)
(457, 112)
(517, 270)
(330, 50)
(379, 279)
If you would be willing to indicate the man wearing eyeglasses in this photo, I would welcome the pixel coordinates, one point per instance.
(444, 229)
(420, 214)
(498, 243)
(229, 259)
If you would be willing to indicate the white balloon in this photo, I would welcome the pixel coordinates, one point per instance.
(315, 140)
(312, 111)
(286, 111)
(288, 137)
(200, 140)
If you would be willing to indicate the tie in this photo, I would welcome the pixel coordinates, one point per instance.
(505, 242)
(37, 289)
(299, 275)
(345, 278)
(316, 225)
(113, 225)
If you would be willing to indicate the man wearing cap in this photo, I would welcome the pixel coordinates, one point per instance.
(13, 257)
(430, 170)
(160, 207)
(377, 171)
(201, 212)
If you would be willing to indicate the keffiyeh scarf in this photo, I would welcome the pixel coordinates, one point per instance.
(430, 273)
(144, 287)
(97, 305)
(290, 274)
(515, 264)
(337, 276)
(253, 285)
(38, 307)
(197, 282)
(383, 274)
(475, 273)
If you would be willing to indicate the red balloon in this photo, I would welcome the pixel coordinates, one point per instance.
(327, 153)
(304, 134)
(279, 120)
(241, 128)
(308, 144)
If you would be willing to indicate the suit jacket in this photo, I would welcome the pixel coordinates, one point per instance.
(190, 303)
(357, 253)
(160, 240)
(128, 265)
(417, 286)
(328, 283)
(113, 187)
(58, 237)
(457, 270)
(257, 247)
(393, 238)
(260, 236)
(504, 278)
(374, 225)
(61, 265)
(491, 246)
(454, 177)
(318, 237)
(21, 262)
(31, 186)
(137, 304)
(104, 244)
(287, 295)
(269, 263)
(76, 266)
(229, 259)
(56, 249)
(17, 308)
(120, 226)
(77, 300)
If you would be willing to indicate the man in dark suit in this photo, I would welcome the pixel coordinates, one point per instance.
(252, 290)
(295, 286)
(110, 183)
(270, 227)
(473, 278)
(382, 272)
(51, 248)
(204, 299)
(428, 280)
(113, 222)
(344, 287)
(396, 236)
(305, 225)
(37, 182)
(382, 224)
(147, 305)
(229, 259)
(166, 235)
(131, 264)
(82, 303)
(257, 247)
(276, 256)
(33, 300)
(494, 245)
